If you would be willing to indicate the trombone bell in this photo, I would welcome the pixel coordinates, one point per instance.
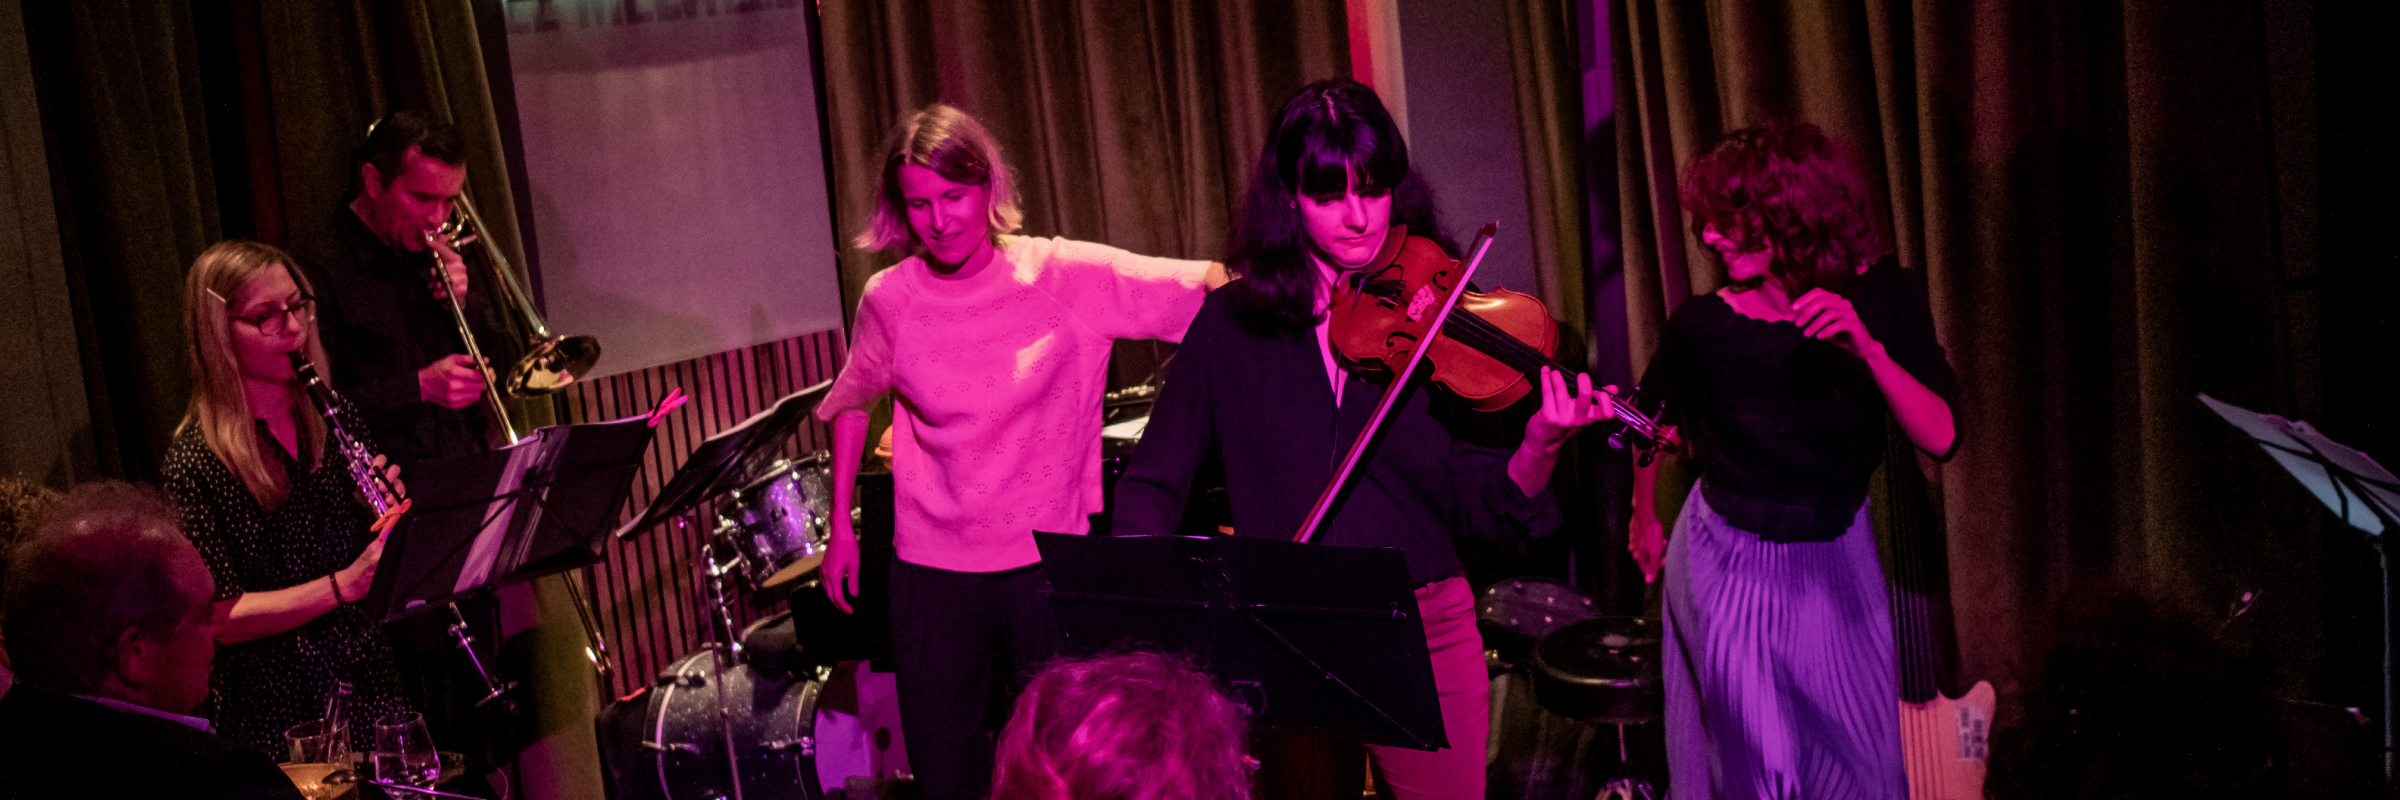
(550, 362)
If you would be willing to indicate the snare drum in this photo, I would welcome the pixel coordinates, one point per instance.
(781, 522)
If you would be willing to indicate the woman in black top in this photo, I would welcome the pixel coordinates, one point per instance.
(1780, 677)
(1255, 382)
(271, 507)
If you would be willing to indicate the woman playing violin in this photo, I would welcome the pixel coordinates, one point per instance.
(1779, 666)
(1256, 382)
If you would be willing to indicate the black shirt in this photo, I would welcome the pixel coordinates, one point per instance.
(56, 745)
(264, 686)
(1265, 405)
(1789, 429)
(380, 324)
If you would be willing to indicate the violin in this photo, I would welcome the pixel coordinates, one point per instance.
(1489, 352)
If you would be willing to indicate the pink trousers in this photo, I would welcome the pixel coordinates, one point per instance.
(1448, 609)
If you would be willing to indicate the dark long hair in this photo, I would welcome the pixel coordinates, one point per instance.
(1328, 132)
(1786, 185)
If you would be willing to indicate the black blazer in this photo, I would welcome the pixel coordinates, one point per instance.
(57, 746)
(1264, 404)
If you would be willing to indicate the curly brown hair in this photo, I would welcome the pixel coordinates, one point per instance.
(1788, 187)
(21, 505)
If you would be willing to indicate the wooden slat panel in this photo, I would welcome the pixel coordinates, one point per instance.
(648, 596)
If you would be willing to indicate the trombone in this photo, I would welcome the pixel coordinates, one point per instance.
(550, 363)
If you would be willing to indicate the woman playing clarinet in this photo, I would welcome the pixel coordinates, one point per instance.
(274, 509)
(1779, 665)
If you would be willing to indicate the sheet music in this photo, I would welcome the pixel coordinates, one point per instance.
(731, 454)
(2345, 480)
(506, 514)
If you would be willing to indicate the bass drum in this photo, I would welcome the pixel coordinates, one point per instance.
(795, 736)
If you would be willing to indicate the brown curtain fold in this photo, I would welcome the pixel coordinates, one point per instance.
(45, 415)
(1545, 63)
(1131, 124)
(119, 100)
(2091, 191)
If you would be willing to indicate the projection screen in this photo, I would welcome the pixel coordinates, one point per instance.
(676, 174)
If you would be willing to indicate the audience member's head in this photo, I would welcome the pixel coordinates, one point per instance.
(1136, 726)
(108, 598)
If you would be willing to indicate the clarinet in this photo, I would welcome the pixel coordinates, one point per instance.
(371, 482)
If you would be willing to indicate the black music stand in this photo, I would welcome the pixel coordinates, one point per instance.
(1309, 636)
(729, 460)
(724, 462)
(2360, 491)
(485, 520)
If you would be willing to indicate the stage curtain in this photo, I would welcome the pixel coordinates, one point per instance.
(45, 415)
(2106, 201)
(1131, 124)
(119, 96)
(1546, 68)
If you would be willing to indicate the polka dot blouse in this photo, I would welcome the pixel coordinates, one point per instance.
(264, 686)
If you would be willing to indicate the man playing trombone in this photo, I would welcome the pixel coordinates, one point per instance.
(397, 353)
(395, 346)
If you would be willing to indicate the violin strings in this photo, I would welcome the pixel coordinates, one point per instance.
(1481, 334)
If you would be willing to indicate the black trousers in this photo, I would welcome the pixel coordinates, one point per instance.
(963, 644)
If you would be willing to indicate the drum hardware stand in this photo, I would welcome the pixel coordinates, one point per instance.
(1624, 787)
(728, 647)
(596, 648)
(495, 688)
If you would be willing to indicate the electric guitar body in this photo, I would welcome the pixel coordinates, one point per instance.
(1945, 741)
(1946, 744)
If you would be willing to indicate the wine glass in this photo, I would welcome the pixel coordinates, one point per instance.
(404, 752)
(320, 757)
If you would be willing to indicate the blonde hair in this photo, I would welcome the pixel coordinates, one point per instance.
(219, 408)
(946, 140)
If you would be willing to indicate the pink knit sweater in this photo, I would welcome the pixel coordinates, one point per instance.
(997, 423)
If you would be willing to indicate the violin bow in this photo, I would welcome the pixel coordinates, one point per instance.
(1366, 436)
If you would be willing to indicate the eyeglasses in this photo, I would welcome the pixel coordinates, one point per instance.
(276, 321)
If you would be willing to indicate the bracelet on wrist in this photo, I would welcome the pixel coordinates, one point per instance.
(330, 580)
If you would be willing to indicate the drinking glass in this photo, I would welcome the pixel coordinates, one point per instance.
(320, 758)
(404, 752)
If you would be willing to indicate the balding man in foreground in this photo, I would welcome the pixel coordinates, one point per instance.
(107, 619)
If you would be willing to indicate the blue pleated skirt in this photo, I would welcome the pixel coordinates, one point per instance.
(1779, 674)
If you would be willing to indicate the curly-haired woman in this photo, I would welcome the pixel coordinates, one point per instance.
(1780, 677)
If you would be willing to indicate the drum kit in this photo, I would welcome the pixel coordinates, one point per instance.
(787, 707)
(1561, 671)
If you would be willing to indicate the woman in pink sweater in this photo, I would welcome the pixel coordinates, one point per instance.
(996, 348)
